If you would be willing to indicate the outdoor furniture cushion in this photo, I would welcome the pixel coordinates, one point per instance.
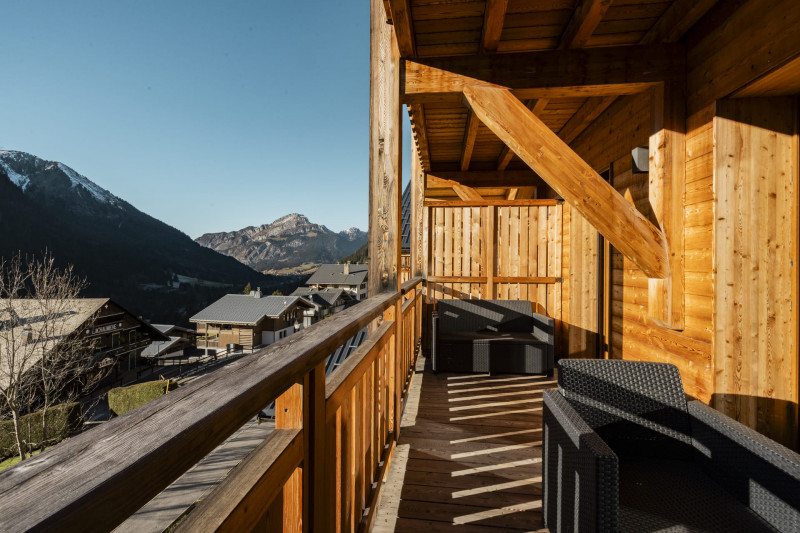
(625, 451)
(501, 336)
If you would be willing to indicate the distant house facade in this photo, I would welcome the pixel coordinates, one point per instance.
(179, 340)
(351, 277)
(326, 302)
(249, 320)
(116, 337)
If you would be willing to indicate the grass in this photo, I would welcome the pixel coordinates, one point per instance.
(11, 461)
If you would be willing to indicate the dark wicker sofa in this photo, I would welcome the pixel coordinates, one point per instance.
(625, 451)
(497, 336)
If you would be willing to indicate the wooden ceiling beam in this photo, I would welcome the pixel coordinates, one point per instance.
(526, 193)
(586, 114)
(467, 193)
(403, 26)
(571, 178)
(673, 24)
(676, 20)
(510, 178)
(585, 18)
(493, 20)
(548, 74)
(469, 141)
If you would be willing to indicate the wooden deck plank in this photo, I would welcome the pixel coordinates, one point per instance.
(469, 455)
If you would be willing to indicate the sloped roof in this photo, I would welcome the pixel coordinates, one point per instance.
(154, 349)
(323, 297)
(168, 328)
(244, 309)
(334, 274)
(72, 313)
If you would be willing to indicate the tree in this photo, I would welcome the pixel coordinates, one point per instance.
(44, 361)
(247, 288)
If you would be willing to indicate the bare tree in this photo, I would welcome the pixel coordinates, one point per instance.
(44, 358)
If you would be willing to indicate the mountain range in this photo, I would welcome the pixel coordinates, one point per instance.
(291, 244)
(142, 263)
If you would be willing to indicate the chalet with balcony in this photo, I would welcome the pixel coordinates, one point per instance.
(326, 302)
(528, 122)
(249, 320)
(116, 338)
(351, 277)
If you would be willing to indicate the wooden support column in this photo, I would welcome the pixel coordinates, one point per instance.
(667, 188)
(314, 438)
(385, 196)
(571, 177)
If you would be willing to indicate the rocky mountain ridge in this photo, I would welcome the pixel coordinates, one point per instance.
(291, 243)
(124, 253)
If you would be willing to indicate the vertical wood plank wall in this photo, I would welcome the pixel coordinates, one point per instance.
(754, 170)
(610, 140)
(742, 358)
(527, 242)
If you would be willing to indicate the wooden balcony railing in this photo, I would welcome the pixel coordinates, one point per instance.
(320, 470)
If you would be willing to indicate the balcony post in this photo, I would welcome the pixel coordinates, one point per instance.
(314, 440)
(385, 176)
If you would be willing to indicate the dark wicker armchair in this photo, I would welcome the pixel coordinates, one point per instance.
(497, 336)
(625, 451)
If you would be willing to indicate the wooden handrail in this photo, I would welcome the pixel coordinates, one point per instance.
(259, 478)
(95, 480)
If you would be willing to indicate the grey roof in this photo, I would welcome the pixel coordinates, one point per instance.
(405, 224)
(322, 297)
(167, 328)
(154, 349)
(334, 275)
(244, 309)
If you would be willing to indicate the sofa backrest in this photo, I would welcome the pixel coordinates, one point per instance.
(490, 315)
(638, 408)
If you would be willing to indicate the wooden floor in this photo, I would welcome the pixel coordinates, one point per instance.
(469, 456)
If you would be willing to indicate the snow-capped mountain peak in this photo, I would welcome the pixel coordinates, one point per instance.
(26, 170)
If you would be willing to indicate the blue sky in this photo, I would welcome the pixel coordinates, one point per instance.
(210, 116)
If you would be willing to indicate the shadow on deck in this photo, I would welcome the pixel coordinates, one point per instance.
(469, 455)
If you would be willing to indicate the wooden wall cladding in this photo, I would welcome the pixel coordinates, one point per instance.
(609, 140)
(755, 168)
(736, 43)
(524, 242)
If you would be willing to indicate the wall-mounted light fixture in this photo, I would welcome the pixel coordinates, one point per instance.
(640, 160)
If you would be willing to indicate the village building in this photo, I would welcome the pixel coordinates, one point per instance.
(249, 320)
(179, 341)
(117, 338)
(667, 287)
(326, 302)
(351, 277)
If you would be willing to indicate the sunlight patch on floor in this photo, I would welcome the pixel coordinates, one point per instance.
(493, 513)
(495, 436)
(490, 468)
(490, 415)
(497, 488)
(496, 387)
(498, 395)
(501, 449)
(522, 401)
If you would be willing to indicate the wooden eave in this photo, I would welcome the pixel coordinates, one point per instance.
(491, 33)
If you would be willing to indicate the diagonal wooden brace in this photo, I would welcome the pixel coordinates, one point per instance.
(571, 177)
